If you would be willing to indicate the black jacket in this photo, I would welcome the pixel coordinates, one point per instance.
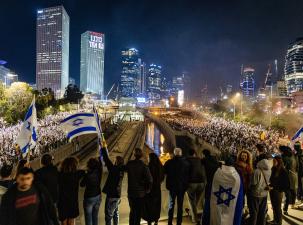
(47, 209)
(177, 171)
(279, 180)
(139, 179)
(211, 165)
(196, 170)
(48, 176)
(92, 182)
(113, 184)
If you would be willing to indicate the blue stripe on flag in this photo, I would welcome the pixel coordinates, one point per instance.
(25, 149)
(29, 113)
(79, 130)
(297, 134)
(76, 115)
(239, 204)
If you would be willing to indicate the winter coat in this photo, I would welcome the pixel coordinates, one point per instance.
(260, 180)
(177, 171)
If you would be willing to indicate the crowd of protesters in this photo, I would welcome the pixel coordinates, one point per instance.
(236, 185)
(225, 135)
(35, 197)
(50, 136)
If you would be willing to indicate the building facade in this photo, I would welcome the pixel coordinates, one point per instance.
(248, 82)
(154, 82)
(92, 63)
(130, 74)
(52, 49)
(293, 69)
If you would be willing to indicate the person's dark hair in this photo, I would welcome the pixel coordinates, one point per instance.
(260, 148)
(156, 168)
(47, 160)
(119, 161)
(280, 165)
(191, 152)
(138, 153)
(93, 164)
(21, 164)
(285, 150)
(69, 164)
(206, 152)
(6, 170)
(25, 171)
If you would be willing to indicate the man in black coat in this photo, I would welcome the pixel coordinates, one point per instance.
(177, 171)
(139, 184)
(197, 181)
(27, 203)
(112, 188)
(48, 176)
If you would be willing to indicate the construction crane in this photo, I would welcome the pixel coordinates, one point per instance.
(110, 90)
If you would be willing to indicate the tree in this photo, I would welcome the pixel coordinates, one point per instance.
(17, 100)
(44, 99)
(73, 94)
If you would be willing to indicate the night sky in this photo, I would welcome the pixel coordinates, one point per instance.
(209, 39)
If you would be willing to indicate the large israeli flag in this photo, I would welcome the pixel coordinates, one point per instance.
(79, 124)
(226, 201)
(27, 137)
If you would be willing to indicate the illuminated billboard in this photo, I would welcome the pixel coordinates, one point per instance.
(96, 40)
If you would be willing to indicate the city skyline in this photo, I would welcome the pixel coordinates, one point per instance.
(207, 41)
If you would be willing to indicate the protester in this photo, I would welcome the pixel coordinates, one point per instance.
(245, 168)
(69, 178)
(92, 193)
(27, 202)
(152, 201)
(291, 166)
(112, 188)
(259, 190)
(224, 207)
(298, 149)
(197, 182)
(48, 176)
(177, 171)
(279, 182)
(6, 179)
(211, 165)
(139, 184)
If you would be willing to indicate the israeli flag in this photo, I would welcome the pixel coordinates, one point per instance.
(297, 134)
(79, 124)
(226, 201)
(98, 122)
(27, 137)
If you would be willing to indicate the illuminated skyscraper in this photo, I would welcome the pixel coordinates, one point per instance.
(52, 49)
(92, 63)
(154, 82)
(130, 73)
(248, 82)
(293, 69)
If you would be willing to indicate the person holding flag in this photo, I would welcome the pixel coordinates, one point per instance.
(27, 137)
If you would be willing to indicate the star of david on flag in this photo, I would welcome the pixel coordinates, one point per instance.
(224, 196)
(27, 137)
(79, 124)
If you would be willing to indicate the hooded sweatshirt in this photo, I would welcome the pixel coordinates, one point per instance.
(258, 183)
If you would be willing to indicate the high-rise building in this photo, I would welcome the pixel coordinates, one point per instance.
(154, 82)
(293, 69)
(52, 49)
(92, 63)
(142, 77)
(3, 71)
(248, 82)
(130, 73)
(281, 88)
